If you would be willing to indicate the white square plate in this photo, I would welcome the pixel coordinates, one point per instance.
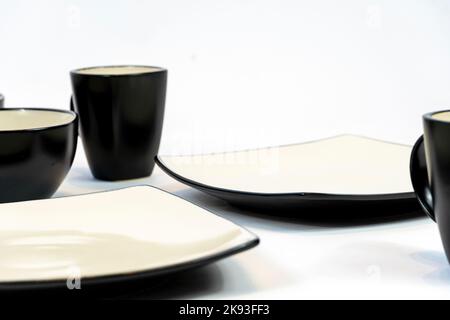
(109, 236)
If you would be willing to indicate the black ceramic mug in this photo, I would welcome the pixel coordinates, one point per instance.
(430, 171)
(121, 110)
(37, 147)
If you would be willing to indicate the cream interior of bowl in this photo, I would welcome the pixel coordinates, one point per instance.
(118, 70)
(109, 233)
(343, 165)
(26, 119)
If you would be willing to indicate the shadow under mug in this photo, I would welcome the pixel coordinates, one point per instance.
(430, 172)
(121, 111)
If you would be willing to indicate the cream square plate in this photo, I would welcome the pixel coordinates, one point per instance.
(108, 236)
(343, 171)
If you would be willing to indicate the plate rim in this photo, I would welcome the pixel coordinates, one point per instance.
(302, 194)
(242, 246)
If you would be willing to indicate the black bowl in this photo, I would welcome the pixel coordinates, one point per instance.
(37, 147)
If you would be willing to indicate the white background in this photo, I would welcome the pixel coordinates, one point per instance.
(243, 73)
(253, 73)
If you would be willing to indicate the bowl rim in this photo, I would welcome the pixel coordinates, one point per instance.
(74, 120)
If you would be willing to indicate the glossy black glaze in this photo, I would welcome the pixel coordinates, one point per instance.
(34, 162)
(430, 174)
(121, 119)
(2, 100)
(303, 204)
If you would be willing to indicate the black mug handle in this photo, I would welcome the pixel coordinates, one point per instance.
(72, 108)
(419, 178)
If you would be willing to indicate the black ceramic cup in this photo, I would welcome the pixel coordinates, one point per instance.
(430, 172)
(2, 101)
(37, 147)
(121, 110)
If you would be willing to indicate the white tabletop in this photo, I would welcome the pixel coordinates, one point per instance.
(299, 259)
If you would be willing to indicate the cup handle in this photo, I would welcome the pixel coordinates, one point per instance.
(419, 178)
(72, 108)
